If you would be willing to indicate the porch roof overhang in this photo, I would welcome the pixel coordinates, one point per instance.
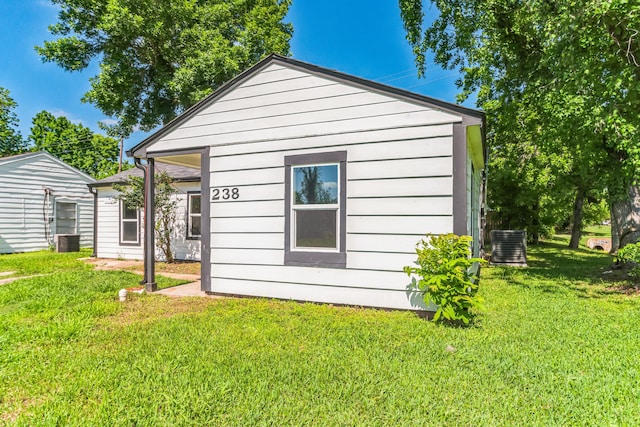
(191, 160)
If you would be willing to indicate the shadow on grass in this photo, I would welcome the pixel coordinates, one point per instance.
(554, 268)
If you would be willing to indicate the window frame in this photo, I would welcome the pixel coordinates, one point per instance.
(75, 215)
(309, 256)
(190, 195)
(122, 220)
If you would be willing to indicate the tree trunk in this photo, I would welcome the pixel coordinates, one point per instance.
(535, 222)
(625, 219)
(576, 220)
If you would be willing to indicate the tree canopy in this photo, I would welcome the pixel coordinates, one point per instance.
(158, 58)
(559, 80)
(11, 141)
(76, 145)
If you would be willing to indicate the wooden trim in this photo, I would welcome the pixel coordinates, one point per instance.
(459, 179)
(138, 227)
(205, 226)
(187, 234)
(310, 258)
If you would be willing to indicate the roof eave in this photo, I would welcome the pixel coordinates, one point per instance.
(110, 184)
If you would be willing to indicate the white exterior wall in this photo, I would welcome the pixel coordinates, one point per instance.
(22, 223)
(399, 184)
(108, 245)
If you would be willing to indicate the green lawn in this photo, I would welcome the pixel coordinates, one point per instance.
(42, 262)
(556, 346)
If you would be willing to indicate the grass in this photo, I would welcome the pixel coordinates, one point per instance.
(556, 346)
(594, 231)
(42, 262)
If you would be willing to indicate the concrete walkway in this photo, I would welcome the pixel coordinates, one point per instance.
(191, 289)
(187, 290)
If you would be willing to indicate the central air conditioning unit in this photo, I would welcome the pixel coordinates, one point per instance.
(509, 247)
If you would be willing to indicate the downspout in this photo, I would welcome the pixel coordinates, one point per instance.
(93, 191)
(148, 173)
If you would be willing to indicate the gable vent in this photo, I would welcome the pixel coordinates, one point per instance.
(509, 247)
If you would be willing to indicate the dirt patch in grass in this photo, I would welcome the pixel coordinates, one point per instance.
(17, 407)
(178, 267)
(623, 281)
(141, 309)
(627, 289)
(9, 416)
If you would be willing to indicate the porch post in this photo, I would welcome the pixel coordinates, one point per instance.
(150, 284)
(149, 255)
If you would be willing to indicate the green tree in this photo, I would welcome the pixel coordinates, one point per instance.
(76, 145)
(132, 193)
(569, 68)
(11, 141)
(312, 189)
(158, 58)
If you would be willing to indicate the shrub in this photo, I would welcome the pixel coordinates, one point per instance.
(445, 277)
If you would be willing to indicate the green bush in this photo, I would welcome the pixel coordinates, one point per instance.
(631, 254)
(445, 276)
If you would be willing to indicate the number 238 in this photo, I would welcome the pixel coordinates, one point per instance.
(225, 194)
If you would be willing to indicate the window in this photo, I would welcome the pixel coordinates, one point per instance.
(129, 225)
(66, 214)
(193, 216)
(315, 199)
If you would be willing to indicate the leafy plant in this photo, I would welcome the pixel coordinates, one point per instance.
(132, 193)
(446, 277)
(631, 254)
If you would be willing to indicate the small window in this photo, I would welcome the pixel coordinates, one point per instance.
(193, 216)
(66, 218)
(315, 187)
(315, 206)
(129, 225)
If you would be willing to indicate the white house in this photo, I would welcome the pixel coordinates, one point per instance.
(119, 232)
(42, 197)
(319, 184)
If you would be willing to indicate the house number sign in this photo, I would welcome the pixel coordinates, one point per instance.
(225, 193)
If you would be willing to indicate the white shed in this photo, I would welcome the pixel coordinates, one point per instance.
(320, 183)
(42, 197)
(119, 232)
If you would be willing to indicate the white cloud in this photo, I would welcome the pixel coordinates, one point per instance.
(69, 116)
(109, 122)
(330, 185)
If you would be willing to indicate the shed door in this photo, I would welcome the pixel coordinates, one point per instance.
(66, 214)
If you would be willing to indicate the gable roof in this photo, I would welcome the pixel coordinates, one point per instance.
(178, 173)
(34, 154)
(139, 150)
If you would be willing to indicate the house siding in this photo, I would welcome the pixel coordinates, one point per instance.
(108, 245)
(399, 184)
(399, 181)
(292, 104)
(22, 199)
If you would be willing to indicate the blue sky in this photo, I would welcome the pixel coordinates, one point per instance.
(360, 37)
